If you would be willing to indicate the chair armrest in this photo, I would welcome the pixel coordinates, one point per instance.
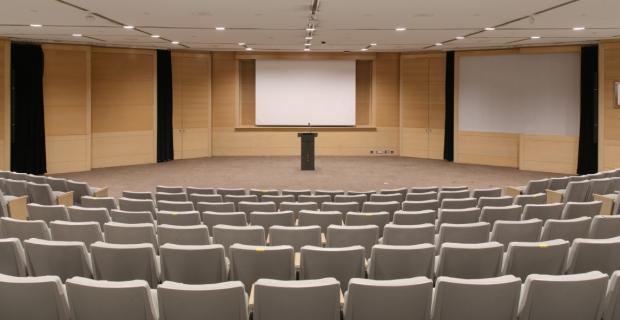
(341, 299)
(554, 196)
(608, 204)
(65, 199)
(512, 191)
(267, 241)
(103, 192)
(251, 300)
(323, 241)
(18, 208)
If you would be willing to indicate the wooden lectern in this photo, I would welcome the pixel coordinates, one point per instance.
(307, 150)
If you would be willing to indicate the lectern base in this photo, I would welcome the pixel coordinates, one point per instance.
(307, 150)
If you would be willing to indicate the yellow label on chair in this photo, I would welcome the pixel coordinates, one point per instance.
(534, 196)
(369, 214)
(95, 198)
(265, 191)
(544, 246)
(396, 190)
(260, 249)
(175, 213)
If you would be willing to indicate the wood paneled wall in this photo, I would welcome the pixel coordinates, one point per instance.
(123, 107)
(5, 104)
(609, 116)
(363, 92)
(548, 153)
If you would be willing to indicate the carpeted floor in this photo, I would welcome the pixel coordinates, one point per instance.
(333, 173)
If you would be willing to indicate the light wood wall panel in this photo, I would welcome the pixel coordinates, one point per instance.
(247, 69)
(5, 103)
(388, 89)
(609, 117)
(488, 148)
(546, 153)
(224, 77)
(123, 106)
(363, 92)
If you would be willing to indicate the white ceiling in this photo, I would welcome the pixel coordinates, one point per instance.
(279, 25)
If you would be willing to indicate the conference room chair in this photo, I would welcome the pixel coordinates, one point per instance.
(611, 310)
(574, 210)
(226, 191)
(576, 191)
(81, 189)
(193, 264)
(318, 199)
(525, 199)
(421, 205)
(402, 217)
(85, 232)
(402, 191)
(300, 300)
(587, 255)
(140, 195)
(532, 187)
(296, 207)
(211, 219)
(200, 191)
(165, 196)
(3, 186)
(359, 198)
(463, 203)
(297, 193)
(488, 193)
(181, 218)
(406, 235)
(431, 195)
(12, 258)
(131, 217)
(124, 233)
(605, 227)
(18, 176)
(42, 194)
(123, 300)
(215, 207)
(558, 183)
(331, 193)
(462, 233)
(469, 260)
(279, 199)
(476, 299)
(295, 237)
(454, 188)
(194, 235)
(577, 178)
(347, 236)
(544, 212)
(228, 235)
(389, 207)
(322, 219)
(126, 204)
(250, 263)
(5, 174)
(615, 184)
(222, 301)
(24, 230)
(391, 197)
(269, 219)
(47, 213)
(493, 214)
(99, 215)
(460, 194)
(17, 188)
(195, 198)
(568, 230)
(595, 176)
(506, 232)
(65, 259)
(35, 298)
(235, 199)
(249, 207)
(379, 219)
(169, 189)
(57, 184)
(392, 299)
(125, 262)
(525, 258)
(105, 202)
(494, 202)
(598, 186)
(164, 205)
(424, 189)
(343, 207)
(366, 193)
(567, 297)
(343, 264)
(264, 192)
(388, 262)
(457, 216)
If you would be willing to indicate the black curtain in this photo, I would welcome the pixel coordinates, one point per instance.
(165, 149)
(448, 140)
(27, 112)
(588, 128)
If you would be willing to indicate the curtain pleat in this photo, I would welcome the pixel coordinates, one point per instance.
(165, 148)
(588, 124)
(448, 142)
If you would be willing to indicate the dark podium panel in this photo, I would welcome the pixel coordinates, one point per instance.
(307, 150)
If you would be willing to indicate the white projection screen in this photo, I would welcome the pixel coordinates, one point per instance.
(298, 92)
(524, 93)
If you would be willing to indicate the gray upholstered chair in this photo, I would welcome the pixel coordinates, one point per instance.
(343, 264)
(581, 209)
(65, 259)
(229, 235)
(24, 230)
(99, 215)
(48, 213)
(493, 214)
(191, 235)
(295, 237)
(470, 260)
(587, 255)
(525, 258)
(321, 219)
(127, 204)
(42, 194)
(279, 199)
(407, 235)
(124, 262)
(379, 219)
(125, 233)
(346, 236)
(331, 193)
(297, 193)
(605, 227)
(227, 191)
(568, 230)
(81, 189)
(20, 295)
(250, 263)
(342, 207)
(431, 195)
(211, 219)
(487, 193)
(389, 262)
(85, 232)
(506, 232)
(296, 207)
(269, 219)
(249, 207)
(166, 196)
(194, 190)
(164, 205)
(181, 218)
(263, 192)
(103, 202)
(12, 258)
(402, 217)
(193, 264)
(169, 189)
(543, 212)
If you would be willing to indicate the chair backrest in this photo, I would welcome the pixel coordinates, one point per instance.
(359, 198)
(389, 262)
(494, 201)
(229, 235)
(424, 189)
(141, 195)
(37, 298)
(306, 299)
(249, 207)
(165, 196)
(169, 189)
(125, 233)
(598, 186)
(16, 188)
(193, 264)
(295, 237)
(215, 207)
(506, 232)
(340, 263)
(296, 207)
(398, 197)
(568, 230)
(269, 219)
(366, 193)
(576, 191)
(126, 300)
(223, 301)
(41, 194)
(195, 235)
(99, 202)
(431, 195)
(407, 235)
(605, 227)
(493, 214)
(491, 299)
(536, 186)
(81, 214)
(318, 199)
(226, 191)
(320, 218)
(165, 205)
(181, 218)
(389, 207)
(379, 219)
(331, 193)
(65, 259)
(279, 199)
(126, 204)
(470, 260)
(454, 188)
(595, 176)
(85, 232)
(124, 262)
(347, 236)
(463, 233)
(36, 179)
(487, 193)
(458, 216)
(343, 207)
(543, 212)
(264, 192)
(525, 199)
(19, 176)
(421, 205)
(570, 297)
(57, 184)
(463, 203)
(132, 217)
(202, 191)
(236, 199)
(24, 230)
(211, 219)
(402, 191)
(195, 198)
(525, 258)
(402, 217)
(47, 213)
(615, 184)
(581, 209)
(557, 183)
(461, 194)
(250, 263)
(577, 178)
(12, 258)
(612, 310)
(594, 255)
(297, 193)
(79, 189)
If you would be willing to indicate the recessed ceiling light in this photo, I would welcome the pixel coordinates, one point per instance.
(248, 49)
(460, 38)
(241, 44)
(439, 44)
(310, 29)
(579, 28)
(36, 25)
(154, 36)
(364, 49)
(77, 35)
(308, 38)
(400, 29)
(128, 27)
(373, 44)
(489, 29)
(307, 49)
(220, 28)
(535, 37)
(308, 44)
(175, 42)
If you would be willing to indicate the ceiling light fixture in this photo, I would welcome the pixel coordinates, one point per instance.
(308, 38)
(77, 35)
(460, 38)
(220, 28)
(579, 28)
(128, 27)
(307, 49)
(364, 49)
(308, 44)
(175, 42)
(248, 49)
(241, 44)
(373, 44)
(36, 25)
(439, 44)
(154, 36)
(489, 29)
(400, 29)
(535, 37)
(310, 29)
